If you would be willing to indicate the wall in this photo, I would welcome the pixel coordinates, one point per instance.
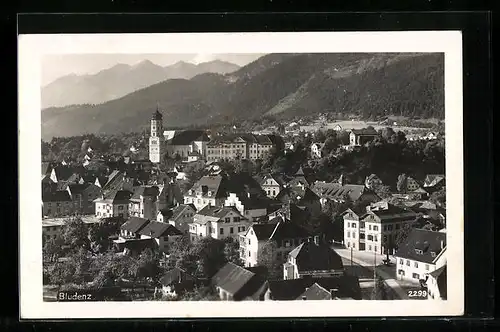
(421, 270)
(49, 209)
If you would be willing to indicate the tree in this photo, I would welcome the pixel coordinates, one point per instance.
(380, 291)
(232, 251)
(402, 234)
(100, 233)
(75, 234)
(331, 144)
(401, 184)
(53, 249)
(201, 294)
(439, 197)
(267, 257)
(382, 191)
(148, 265)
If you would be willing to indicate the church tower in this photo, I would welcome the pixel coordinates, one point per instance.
(156, 141)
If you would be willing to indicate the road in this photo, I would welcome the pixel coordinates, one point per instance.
(371, 260)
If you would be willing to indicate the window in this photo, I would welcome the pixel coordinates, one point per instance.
(348, 244)
(226, 220)
(418, 251)
(354, 245)
(353, 225)
(415, 276)
(236, 219)
(400, 261)
(389, 227)
(384, 227)
(120, 207)
(416, 264)
(401, 272)
(427, 267)
(249, 253)
(348, 224)
(385, 238)
(369, 227)
(370, 248)
(375, 249)
(433, 254)
(231, 230)
(407, 262)
(221, 232)
(353, 235)
(249, 242)
(375, 238)
(242, 228)
(369, 237)
(375, 228)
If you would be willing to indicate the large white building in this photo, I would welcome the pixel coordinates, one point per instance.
(375, 228)
(218, 223)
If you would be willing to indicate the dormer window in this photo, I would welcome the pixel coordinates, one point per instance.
(433, 254)
(209, 194)
(419, 251)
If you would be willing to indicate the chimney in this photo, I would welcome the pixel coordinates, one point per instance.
(248, 194)
(334, 292)
(442, 244)
(316, 240)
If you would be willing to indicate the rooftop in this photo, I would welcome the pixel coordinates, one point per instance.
(422, 246)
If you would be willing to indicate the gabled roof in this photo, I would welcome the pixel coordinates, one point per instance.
(175, 275)
(337, 192)
(77, 189)
(116, 197)
(312, 257)
(424, 241)
(134, 224)
(212, 184)
(278, 229)
(46, 167)
(187, 137)
(178, 211)
(56, 196)
(152, 191)
(217, 212)
(365, 131)
(238, 281)
(292, 289)
(392, 213)
(441, 277)
(62, 172)
(157, 229)
(432, 180)
(332, 288)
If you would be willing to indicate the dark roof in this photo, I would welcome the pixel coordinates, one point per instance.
(157, 115)
(187, 137)
(56, 196)
(335, 191)
(341, 287)
(425, 241)
(215, 212)
(277, 177)
(175, 275)
(117, 196)
(46, 167)
(157, 229)
(292, 289)
(213, 184)
(134, 224)
(312, 257)
(432, 180)
(77, 188)
(138, 245)
(145, 191)
(62, 172)
(238, 281)
(365, 131)
(279, 229)
(246, 137)
(392, 213)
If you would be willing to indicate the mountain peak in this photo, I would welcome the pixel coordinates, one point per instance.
(145, 63)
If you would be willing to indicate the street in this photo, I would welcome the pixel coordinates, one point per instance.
(362, 262)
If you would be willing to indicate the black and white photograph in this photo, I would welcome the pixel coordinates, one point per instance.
(241, 169)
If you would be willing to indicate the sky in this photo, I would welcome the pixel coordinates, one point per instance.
(55, 66)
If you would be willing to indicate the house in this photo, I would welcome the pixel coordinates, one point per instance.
(188, 141)
(218, 223)
(207, 190)
(282, 232)
(113, 204)
(161, 232)
(143, 202)
(409, 184)
(248, 205)
(56, 204)
(343, 287)
(235, 283)
(359, 137)
(272, 184)
(421, 253)
(302, 197)
(176, 281)
(300, 179)
(180, 216)
(311, 259)
(180, 174)
(317, 150)
(337, 127)
(376, 229)
(372, 181)
(83, 196)
(437, 284)
(131, 228)
(193, 156)
(170, 195)
(419, 194)
(48, 185)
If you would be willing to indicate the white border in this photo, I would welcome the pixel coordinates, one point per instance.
(32, 47)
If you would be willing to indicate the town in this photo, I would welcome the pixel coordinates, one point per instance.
(264, 215)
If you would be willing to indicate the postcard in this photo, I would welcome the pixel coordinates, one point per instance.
(207, 175)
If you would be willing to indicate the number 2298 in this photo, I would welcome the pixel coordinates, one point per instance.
(417, 293)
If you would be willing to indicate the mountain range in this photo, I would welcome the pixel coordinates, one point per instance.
(278, 85)
(120, 80)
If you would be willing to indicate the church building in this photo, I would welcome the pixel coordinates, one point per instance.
(156, 140)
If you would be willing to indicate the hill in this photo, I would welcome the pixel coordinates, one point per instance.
(281, 85)
(120, 80)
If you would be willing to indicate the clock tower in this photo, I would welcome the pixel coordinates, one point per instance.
(156, 140)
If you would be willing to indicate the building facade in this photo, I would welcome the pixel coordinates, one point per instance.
(218, 223)
(156, 140)
(241, 146)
